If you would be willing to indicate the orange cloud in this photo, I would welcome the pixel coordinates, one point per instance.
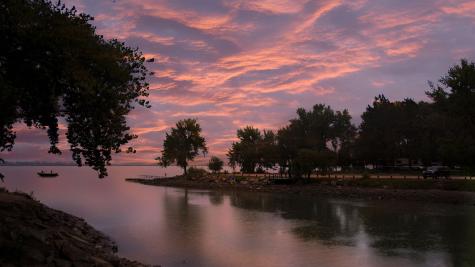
(461, 8)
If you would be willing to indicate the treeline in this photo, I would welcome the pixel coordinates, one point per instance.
(422, 133)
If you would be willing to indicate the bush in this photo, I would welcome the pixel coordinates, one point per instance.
(215, 164)
(194, 172)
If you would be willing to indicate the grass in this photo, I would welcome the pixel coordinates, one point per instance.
(453, 185)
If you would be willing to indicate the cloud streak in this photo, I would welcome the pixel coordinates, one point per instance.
(231, 63)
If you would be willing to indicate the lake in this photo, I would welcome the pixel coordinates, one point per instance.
(178, 227)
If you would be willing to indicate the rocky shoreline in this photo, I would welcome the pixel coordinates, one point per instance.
(335, 188)
(32, 234)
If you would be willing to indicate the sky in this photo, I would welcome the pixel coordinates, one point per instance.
(232, 63)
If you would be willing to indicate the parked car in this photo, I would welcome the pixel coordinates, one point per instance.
(435, 172)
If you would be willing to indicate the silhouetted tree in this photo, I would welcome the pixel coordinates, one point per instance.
(287, 145)
(400, 129)
(245, 153)
(378, 139)
(53, 65)
(254, 151)
(343, 138)
(215, 164)
(182, 144)
(314, 139)
(269, 151)
(454, 100)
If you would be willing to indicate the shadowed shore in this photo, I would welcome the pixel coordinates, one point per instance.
(417, 190)
(32, 234)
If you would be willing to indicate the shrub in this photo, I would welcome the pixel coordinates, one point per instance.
(194, 172)
(215, 164)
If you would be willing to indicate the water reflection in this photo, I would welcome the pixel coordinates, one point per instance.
(395, 229)
(177, 227)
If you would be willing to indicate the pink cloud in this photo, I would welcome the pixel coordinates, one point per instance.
(233, 63)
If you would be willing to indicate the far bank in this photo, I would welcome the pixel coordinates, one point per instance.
(460, 192)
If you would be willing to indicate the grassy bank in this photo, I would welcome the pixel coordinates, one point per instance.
(402, 184)
(438, 191)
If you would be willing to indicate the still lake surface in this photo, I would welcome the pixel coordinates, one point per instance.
(178, 227)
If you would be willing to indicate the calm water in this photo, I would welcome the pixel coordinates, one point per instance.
(177, 227)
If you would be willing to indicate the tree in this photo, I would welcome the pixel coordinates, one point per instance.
(308, 160)
(313, 139)
(378, 139)
(255, 150)
(269, 151)
(215, 164)
(288, 145)
(183, 144)
(54, 66)
(343, 138)
(400, 129)
(454, 100)
(245, 152)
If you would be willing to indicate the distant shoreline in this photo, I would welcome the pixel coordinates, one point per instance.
(325, 187)
(67, 165)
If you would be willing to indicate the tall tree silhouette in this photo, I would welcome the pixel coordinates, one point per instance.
(255, 149)
(454, 99)
(182, 144)
(314, 139)
(53, 66)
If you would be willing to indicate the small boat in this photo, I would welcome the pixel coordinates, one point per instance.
(47, 174)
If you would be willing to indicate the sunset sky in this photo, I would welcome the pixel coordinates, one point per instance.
(232, 63)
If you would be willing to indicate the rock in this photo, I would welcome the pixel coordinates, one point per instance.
(100, 262)
(72, 253)
(62, 263)
(82, 264)
(36, 255)
(36, 235)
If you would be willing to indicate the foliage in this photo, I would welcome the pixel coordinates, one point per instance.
(315, 139)
(182, 144)
(454, 100)
(253, 150)
(442, 131)
(215, 164)
(53, 66)
(401, 129)
(194, 172)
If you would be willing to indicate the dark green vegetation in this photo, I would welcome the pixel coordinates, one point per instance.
(253, 149)
(421, 133)
(54, 67)
(442, 131)
(451, 185)
(215, 164)
(182, 144)
(318, 138)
